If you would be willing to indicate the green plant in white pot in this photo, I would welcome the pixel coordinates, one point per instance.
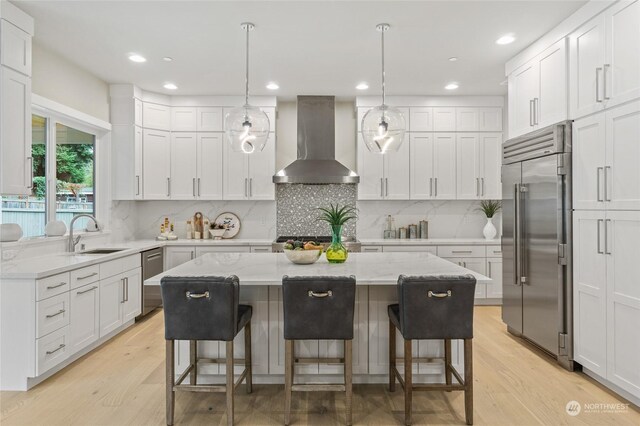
(490, 208)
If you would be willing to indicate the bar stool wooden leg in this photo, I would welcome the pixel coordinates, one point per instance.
(247, 356)
(348, 367)
(468, 381)
(288, 379)
(229, 390)
(193, 359)
(392, 357)
(447, 361)
(170, 377)
(408, 381)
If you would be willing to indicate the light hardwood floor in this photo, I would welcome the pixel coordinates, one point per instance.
(122, 383)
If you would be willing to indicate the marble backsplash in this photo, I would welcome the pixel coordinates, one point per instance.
(297, 205)
(141, 219)
(447, 219)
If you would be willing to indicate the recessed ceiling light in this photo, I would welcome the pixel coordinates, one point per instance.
(362, 86)
(170, 86)
(134, 57)
(451, 86)
(167, 59)
(453, 58)
(506, 39)
(273, 86)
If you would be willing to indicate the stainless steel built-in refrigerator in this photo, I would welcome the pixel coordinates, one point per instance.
(536, 239)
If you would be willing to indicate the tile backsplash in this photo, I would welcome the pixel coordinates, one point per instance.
(297, 205)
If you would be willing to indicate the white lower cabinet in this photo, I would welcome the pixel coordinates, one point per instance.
(52, 349)
(476, 264)
(494, 271)
(84, 326)
(131, 307)
(119, 300)
(177, 255)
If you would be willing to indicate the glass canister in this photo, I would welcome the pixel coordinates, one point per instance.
(403, 232)
(413, 231)
(424, 229)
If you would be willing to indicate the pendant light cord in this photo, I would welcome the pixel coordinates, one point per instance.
(382, 42)
(246, 76)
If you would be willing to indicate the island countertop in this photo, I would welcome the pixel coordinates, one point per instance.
(267, 269)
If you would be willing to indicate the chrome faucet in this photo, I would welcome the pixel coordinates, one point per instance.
(73, 242)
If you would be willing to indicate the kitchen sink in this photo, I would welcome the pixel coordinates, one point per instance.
(102, 251)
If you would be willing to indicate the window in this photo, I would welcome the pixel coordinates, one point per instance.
(62, 187)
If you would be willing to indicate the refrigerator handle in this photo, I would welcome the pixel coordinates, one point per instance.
(516, 232)
(521, 251)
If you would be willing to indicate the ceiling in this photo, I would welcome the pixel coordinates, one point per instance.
(307, 47)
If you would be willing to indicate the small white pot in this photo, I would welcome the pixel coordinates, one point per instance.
(489, 230)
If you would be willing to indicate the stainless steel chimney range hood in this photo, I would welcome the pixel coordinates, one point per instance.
(316, 163)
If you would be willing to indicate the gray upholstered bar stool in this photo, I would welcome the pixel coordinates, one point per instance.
(433, 308)
(318, 308)
(204, 308)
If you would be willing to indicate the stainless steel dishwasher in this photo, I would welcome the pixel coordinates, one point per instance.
(152, 264)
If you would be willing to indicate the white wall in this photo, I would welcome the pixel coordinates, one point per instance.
(57, 79)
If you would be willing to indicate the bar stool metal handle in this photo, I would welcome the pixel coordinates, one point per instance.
(439, 295)
(197, 295)
(320, 295)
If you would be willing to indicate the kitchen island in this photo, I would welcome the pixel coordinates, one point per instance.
(260, 277)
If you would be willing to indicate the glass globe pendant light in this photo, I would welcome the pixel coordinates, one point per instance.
(247, 127)
(383, 127)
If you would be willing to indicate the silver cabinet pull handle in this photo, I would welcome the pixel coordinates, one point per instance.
(604, 82)
(88, 276)
(531, 113)
(598, 71)
(312, 293)
(126, 285)
(250, 187)
(62, 345)
(461, 251)
(197, 295)
(198, 187)
(430, 187)
(60, 312)
(598, 249)
(606, 236)
(87, 290)
(381, 187)
(482, 186)
(489, 272)
(168, 187)
(477, 187)
(246, 187)
(193, 186)
(535, 111)
(154, 256)
(598, 170)
(607, 196)
(386, 187)
(439, 295)
(51, 287)
(137, 184)
(435, 180)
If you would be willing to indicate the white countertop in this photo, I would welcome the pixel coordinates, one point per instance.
(268, 268)
(430, 242)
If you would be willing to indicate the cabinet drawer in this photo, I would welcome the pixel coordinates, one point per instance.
(422, 249)
(52, 314)
(461, 251)
(85, 276)
(52, 349)
(371, 249)
(51, 286)
(118, 266)
(494, 251)
(260, 249)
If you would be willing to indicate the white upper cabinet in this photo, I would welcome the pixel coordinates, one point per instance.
(523, 89)
(444, 166)
(155, 116)
(183, 119)
(421, 166)
(490, 119)
(421, 119)
(137, 112)
(384, 177)
(209, 159)
(467, 119)
(249, 177)
(15, 48)
(156, 146)
(137, 167)
(490, 166)
(444, 119)
(371, 172)
(478, 165)
(588, 162)
(209, 119)
(183, 166)
(397, 173)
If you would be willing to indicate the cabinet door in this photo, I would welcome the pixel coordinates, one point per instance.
(588, 162)
(111, 300)
(490, 119)
(494, 271)
(155, 116)
(586, 58)
(490, 166)
(589, 290)
(209, 157)
(444, 119)
(183, 166)
(137, 163)
(476, 264)
(523, 89)
(84, 326)
(15, 128)
(623, 299)
(15, 51)
(421, 150)
(421, 119)
(551, 102)
(183, 119)
(622, 169)
(156, 165)
(622, 65)
(262, 167)
(235, 172)
(444, 166)
(132, 307)
(176, 256)
(209, 119)
(468, 166)
(467, 119)
(371, 172)
(397, 173)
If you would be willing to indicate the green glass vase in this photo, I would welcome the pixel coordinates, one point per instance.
(336, 252)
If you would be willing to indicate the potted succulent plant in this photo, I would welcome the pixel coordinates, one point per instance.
(490, 208)
(336, 217)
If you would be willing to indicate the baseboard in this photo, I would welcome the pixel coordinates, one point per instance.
(613, 387)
